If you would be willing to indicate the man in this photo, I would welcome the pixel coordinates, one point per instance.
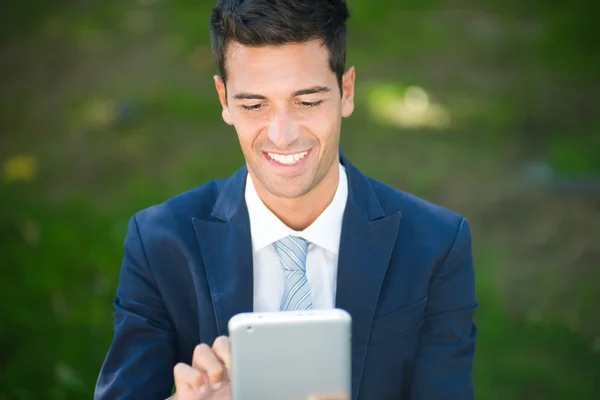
(400, 266)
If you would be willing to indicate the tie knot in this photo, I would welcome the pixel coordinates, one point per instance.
(292, 252)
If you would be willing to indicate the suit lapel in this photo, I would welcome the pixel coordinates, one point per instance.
(226, 248)
(367, 241)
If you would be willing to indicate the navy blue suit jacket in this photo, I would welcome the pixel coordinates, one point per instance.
(405, 274)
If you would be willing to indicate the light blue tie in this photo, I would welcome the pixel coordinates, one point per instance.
(292, 252)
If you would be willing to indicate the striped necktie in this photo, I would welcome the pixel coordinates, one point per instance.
(292, 252)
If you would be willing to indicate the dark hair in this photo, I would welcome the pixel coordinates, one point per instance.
(278, 22)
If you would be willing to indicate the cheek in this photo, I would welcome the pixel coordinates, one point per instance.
(325, 128)
(248, 132)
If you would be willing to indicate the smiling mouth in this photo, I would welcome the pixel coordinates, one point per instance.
(287, 159)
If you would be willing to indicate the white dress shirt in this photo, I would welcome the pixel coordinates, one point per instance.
(322, 258)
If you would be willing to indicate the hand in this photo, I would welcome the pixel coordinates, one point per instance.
(208, 376)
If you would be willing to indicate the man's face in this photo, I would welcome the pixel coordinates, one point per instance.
(286, 107)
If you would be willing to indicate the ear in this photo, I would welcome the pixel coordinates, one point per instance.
(222, 92)
(348, 92)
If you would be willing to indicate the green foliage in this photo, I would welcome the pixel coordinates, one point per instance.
(576, 154)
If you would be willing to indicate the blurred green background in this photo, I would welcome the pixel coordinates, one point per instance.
(489, 108)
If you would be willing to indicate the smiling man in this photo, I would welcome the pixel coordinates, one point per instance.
(402, 267)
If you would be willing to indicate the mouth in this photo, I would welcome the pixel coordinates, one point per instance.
(288, 162)
(288, 159)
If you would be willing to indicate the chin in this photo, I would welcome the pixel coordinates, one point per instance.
(288, 191)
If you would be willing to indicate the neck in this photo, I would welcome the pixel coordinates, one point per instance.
(301, 212)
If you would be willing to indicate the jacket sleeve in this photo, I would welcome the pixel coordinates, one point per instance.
(141, 357)
(447, 343)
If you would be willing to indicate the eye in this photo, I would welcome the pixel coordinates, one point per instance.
(311, 104)
(254, 107)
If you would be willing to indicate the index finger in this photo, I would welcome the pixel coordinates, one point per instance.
(222, 351)
(205, 360)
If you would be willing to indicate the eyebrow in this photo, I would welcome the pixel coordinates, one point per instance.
(312, 90)
(302, 92)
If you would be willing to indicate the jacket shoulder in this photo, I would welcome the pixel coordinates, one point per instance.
(194, 203)
(416, 211)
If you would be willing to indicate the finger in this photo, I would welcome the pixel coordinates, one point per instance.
(204, 359)
(187, 377)
(222, 350)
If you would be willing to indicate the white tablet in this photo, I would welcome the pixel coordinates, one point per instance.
(290, 355)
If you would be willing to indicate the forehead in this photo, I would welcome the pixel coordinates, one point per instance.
(287, 67)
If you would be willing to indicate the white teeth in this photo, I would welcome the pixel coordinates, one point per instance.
(289, 159)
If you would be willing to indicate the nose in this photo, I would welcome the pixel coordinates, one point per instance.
(283, 131)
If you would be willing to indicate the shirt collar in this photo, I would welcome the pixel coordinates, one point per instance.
(324, 232)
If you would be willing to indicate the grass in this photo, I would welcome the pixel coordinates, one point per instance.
(521, 359)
